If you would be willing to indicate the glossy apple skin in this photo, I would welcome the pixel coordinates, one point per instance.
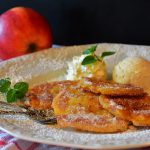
(23, 30)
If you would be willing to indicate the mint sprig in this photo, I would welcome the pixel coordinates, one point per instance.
(13, 93)
(92, 57)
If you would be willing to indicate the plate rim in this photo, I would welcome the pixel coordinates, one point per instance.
(67, 144)
(72, 145)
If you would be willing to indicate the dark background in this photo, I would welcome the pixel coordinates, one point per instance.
(93, 21)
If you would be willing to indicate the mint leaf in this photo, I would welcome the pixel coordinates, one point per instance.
(90, 50)
(4, 85)
(19, 95)
(21, 86)
(104, 54)
(89, 60)
(21, 89)
(11, 96)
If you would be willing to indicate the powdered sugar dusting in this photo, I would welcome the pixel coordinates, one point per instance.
(92, 118)
(112, 103)
(21, 125)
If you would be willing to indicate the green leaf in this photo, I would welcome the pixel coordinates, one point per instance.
(11, 96)
(89, 60)
(104, 54)
(4, 85)
(21, 88)
(19, 94)
(90, 50)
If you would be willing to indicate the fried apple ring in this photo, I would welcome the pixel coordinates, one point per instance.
(109, 88)
(93, 123)
(81, 109)
(135, 109)
(74, 100)
(41, 96)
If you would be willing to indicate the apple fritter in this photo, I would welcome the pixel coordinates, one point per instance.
(81, 109)
(93, 123)
(109, 88)
(134, 109)
(75, 100)
(41, 96)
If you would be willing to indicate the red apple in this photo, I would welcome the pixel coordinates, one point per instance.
(23, 30)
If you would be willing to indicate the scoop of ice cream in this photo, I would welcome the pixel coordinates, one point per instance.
(133, 70)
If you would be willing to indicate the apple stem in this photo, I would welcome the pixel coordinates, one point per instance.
(32, 48)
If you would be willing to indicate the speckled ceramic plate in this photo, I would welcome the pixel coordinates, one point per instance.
(51, 65)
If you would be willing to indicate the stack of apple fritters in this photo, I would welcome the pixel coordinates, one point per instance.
(93, 105)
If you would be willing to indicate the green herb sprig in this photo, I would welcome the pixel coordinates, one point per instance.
(92, 57)
(13, 93)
